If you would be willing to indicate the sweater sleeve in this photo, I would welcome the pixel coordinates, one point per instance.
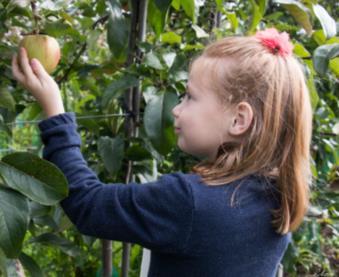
(157, 215)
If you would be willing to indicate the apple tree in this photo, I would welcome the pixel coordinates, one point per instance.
(123, 65)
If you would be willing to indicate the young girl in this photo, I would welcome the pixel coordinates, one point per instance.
(247, 114)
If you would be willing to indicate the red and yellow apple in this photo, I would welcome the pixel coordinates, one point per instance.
(44, 48)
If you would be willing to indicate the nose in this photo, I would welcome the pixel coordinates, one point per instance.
(175, 110)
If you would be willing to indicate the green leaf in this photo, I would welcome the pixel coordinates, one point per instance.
(30, 265)
(158, 121)
(117, 87)
(299, 12)
(322, 55)
(256, 16)
(314, 168)
(45, 221)
(111, 152)
(169, 58)
(262, 6)
(61, 219)
(327, 22)
(117, 32)
(60, 29)
(153, 61)
(199, 32)
(219, 5)
(334, 66)
(138, 151)
(51, 5)
(171, 38)
(37, 210)
(232, 17)
(176, 4)
(334, 51)
(189, 8)
(20, 3)
(301, 51)
(313, 92)
(65, 245)
(335, 128)
(157, 15)
(67, 17)
(333, 39)
(3, 260)
(32, 111)
(38, 179)
(314, 211)
(179, 64)
(319, 37)
(6, 100)
(311, 85)
(92, 42)
(162, 5)
(14, 218)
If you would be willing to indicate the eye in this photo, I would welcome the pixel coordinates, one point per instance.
(184, 95)
(181, 96)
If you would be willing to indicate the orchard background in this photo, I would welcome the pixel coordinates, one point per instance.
(123, 66)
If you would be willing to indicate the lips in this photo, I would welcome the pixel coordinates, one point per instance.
(176, 129)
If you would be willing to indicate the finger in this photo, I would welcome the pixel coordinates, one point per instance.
(24, 63)
(38, 69)
(16, 71)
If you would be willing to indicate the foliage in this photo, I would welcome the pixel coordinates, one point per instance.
(94, 76)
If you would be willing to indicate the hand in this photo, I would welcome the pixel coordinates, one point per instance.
(19, 270)
(41, 85)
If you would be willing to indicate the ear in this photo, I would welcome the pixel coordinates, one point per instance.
(242, 119)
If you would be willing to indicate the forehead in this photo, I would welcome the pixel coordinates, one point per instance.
(207, 78)
(200, 74)
(201, 82)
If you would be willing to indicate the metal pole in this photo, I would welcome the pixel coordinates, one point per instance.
(106, 248)
(132, 99)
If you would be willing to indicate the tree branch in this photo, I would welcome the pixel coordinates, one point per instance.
(63, 78)
(36, 18)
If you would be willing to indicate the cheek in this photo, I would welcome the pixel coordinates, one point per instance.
(186, 140)
(192, 142)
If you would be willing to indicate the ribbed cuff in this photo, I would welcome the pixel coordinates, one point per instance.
(56, 120)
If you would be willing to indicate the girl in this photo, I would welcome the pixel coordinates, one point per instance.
(247, 114)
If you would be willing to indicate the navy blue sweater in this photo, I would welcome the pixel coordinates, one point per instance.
(192, 229)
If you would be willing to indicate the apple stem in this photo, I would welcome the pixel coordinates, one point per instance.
(36, 17)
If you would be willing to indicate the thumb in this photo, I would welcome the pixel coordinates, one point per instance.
(38, 68)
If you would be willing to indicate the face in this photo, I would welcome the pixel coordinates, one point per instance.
(200, 119)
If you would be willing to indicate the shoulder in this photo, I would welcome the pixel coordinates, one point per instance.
(257, 190)
(253, 189)
(176, 184)
(172, 188)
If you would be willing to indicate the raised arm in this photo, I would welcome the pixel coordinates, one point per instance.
(156, 215)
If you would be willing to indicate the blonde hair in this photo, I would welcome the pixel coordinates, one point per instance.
(277, 144)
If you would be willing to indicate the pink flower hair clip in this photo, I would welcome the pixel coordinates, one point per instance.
(277, 43)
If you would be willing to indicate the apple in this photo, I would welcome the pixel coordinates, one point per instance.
(44, 48)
